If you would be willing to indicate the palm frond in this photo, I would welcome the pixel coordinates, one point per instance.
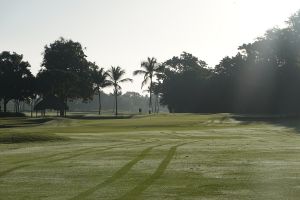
(125, 80)
(145, 81)
(136, 72)
(106, 83)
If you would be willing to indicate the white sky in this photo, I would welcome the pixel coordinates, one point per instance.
(125, 32)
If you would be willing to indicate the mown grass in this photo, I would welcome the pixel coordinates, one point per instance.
(29, 137)
(167, 156)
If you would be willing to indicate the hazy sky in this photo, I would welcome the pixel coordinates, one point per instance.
(125, 32)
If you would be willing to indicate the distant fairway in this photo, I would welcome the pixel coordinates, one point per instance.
(180, 156)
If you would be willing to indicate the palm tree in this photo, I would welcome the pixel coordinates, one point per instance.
(116, 77)
(157, 86)
(100, 82)
(149, 68)
(156, 91)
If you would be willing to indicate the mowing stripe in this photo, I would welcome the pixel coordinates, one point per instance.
(67, 152)
(97, 150)
(40, 158)
(73, 155)
(117, 175)
(12, 169)
(52, 155)
(67, 157)
(140, 188)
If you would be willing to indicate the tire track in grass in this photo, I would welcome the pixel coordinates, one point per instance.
(52, 155)
(12, 169)
(57, 154)
(73, 155)
(98, 150)
(66, 152)
(140, 188)
(117, 175)
(65, 158)
(40, 158)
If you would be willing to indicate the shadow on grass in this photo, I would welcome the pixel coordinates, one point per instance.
(11, 114)
(288, 121)
(22, 122)
(9, 138)
(81, 117)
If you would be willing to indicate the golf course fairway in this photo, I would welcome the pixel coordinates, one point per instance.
(164, 156)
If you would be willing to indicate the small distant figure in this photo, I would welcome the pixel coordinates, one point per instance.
(149, 112)
(140, 111)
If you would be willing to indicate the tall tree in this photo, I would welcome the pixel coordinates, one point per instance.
(100, 81)
(116, 77)
(157, 86)
(65, 72)
(15, 78)
(149, 67)
(182, 80)
(156, 91)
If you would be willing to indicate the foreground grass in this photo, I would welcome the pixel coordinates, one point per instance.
(182, 156)
(29, 137)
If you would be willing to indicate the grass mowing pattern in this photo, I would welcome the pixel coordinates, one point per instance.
(52, 155)
(73, 155)
(12, 169)
(29, 137)
(117, 175)
(47, 157)
(135, 192)
(94, 150)
(104, 159)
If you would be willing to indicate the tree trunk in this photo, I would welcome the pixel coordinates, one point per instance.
(5, 105)
(99, 101)
(116, 100)
(15, 106)
(158, 104)
(31, 108)
(150, 97)
(155, 103)
(65, 110)
(61, 112)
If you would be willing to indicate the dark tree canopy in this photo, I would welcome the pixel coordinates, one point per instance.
(65, 71)
(263, 77)
(16, 80)
(181, 81)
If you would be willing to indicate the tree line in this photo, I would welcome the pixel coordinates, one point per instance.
(263, 77)
(128, 102)
(65, 73)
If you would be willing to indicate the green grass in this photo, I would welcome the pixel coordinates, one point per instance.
(167, 156)
(29, 137)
